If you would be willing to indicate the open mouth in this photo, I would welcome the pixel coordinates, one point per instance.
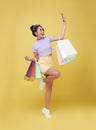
(42, 34)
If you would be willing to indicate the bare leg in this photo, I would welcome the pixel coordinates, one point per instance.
(48, 94)
(51, 75)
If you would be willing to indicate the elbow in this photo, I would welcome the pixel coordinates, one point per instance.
(61, 38)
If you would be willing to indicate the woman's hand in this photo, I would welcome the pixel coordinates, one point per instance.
(29, 58)
(63, 18)
(61, 37)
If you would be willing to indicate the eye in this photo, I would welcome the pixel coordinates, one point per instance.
(41, 29)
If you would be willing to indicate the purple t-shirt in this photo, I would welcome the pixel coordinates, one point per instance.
(43, 46)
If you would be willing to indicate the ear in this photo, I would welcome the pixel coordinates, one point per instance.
(36, 33)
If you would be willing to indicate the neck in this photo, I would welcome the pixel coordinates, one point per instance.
(39, 38)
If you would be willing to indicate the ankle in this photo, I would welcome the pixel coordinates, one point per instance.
(46, 112)
(47, 109)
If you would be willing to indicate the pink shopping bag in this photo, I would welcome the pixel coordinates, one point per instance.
(60, 60)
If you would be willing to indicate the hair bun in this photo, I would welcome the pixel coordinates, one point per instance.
(32, 27)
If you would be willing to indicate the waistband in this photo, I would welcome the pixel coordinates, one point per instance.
(50, 55)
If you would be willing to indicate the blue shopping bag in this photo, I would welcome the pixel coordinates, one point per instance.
(38, 73)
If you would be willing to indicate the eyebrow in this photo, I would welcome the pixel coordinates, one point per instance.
(43, 29)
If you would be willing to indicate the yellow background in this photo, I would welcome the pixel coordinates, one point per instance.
(74, 94)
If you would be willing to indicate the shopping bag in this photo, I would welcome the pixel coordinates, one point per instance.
(60, 60)
(65, 51)
(38, 73)
(28, 73)
(33, 71)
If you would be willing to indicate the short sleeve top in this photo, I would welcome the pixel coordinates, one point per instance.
(43, 46)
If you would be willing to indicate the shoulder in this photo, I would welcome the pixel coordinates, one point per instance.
(34, 44)
(49, 38)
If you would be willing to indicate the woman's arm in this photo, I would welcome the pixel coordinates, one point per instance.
(36, 55)
(61, 37)
(31, 59)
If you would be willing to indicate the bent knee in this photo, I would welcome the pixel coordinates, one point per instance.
(57, 74)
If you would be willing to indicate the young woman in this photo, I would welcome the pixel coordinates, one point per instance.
(42, 51)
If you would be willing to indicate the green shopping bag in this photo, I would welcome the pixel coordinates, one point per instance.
(38, 73)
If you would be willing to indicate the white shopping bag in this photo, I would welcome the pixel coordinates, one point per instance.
(65, 51)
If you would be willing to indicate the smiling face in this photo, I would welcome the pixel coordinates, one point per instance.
(40, 32)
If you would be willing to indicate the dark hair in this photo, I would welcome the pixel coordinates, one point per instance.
(34, 28)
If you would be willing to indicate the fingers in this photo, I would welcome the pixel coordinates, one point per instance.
(63, 18)
(28, 58)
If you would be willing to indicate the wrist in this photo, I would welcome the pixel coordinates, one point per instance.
(64, 21)
(64, 24)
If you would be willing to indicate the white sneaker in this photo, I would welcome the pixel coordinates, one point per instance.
(46, 113)
(42, 84)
